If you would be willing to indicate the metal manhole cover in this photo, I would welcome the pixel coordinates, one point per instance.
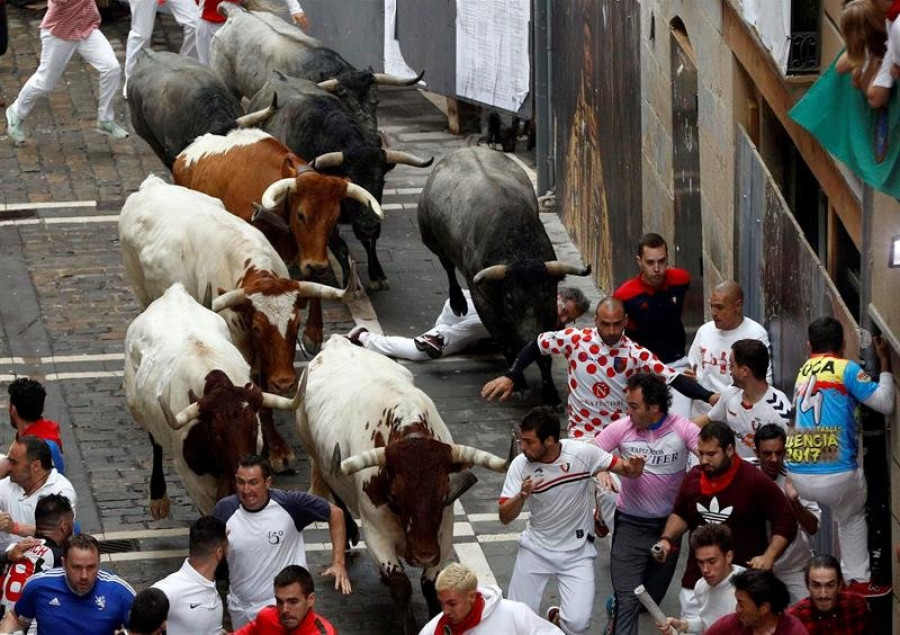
(17, 214)
(118, 546)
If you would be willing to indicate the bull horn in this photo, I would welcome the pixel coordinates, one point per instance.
(327, 160)
(383, 79)
(495, 272)
(255, 118)
(357, 462)
(277, 402)
(263, 215)
(473, 456)
(459, 485)
(329, 85)
(406, 158)
(325, 292)
(177, 422)
(229, 300)
(274, 194)
(557, 268)
(362, 195)
(207, 296)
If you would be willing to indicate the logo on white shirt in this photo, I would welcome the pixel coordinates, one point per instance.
(275, 537)
(714, 515)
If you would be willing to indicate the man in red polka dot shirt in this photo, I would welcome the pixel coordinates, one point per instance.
(600, 361)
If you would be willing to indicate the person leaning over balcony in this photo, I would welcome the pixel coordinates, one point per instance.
(868, 55)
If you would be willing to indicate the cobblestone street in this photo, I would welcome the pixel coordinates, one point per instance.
(66, 307)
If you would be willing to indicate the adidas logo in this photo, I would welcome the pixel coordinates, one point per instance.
(54, 602)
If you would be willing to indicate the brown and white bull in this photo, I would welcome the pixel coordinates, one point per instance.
(171, 234)
(402, 471)
(179, 359)
(300, 207)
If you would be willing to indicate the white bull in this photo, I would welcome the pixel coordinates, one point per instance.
(172, 234)
(179, 359)
(403, 472)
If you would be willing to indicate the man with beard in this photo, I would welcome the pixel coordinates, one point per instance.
(293, 612)
(600, 361)
(556, 478)
(77, 599)
(726, 489)
(770, 448)
(830, 609)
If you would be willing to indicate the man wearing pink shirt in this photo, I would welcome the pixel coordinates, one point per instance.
(663, 440)
(69, 26)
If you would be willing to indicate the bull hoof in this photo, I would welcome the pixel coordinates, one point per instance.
(378, 285)
(282, 462)
(159, 508)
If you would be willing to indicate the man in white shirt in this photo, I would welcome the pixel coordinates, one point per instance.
(31, 475)
(265, 534)
(751, 402)
(771, 441)
(714, 591)
(711, 349)
(468, 609)
(557, 479)
(195, 607)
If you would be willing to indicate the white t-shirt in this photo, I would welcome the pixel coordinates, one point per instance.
(501, 617)
(798, 553)
(711, 351)
(597, 375)
(714, 602)
(21, 507)
(562, 501)
(263, 542)
(195, 607)
(744, 420)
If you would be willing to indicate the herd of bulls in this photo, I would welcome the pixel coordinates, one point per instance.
(221, 315)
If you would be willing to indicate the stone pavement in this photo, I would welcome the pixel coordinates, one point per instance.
(67, 305)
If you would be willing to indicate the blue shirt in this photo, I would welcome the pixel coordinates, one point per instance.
(47, 598)
(827, 392)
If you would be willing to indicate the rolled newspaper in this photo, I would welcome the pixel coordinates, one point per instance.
(652, 607)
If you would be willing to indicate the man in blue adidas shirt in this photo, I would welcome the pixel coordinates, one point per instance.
(78, 599)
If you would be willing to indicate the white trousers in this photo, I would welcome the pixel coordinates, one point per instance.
(205, 32)
(845, 494)
(55, 56)
(795, 581)
(393, 346)
(143, 15)
(574, 571)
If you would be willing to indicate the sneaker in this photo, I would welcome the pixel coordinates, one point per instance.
(869, 589)
(112, 129)
(431, 345)
(553, 615)
(355, 334)
(14, 128)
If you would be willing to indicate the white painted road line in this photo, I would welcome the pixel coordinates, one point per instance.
(471, 555)
(139, 534)
(61, 220)
(12, 207)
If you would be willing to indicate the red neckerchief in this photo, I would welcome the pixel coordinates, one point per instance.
(892, 13)
(710, 485)
(444, 627)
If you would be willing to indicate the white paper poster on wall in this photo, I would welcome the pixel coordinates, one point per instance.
(492, 64)
(394, 64)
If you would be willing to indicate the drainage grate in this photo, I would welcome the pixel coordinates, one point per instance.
(118, 546)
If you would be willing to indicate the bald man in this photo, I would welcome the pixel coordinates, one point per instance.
(711, 349)
(599, 360)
